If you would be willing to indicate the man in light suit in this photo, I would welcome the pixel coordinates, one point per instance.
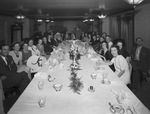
(8, 72)
(140, 62)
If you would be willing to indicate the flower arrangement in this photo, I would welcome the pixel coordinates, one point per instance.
(76, 84)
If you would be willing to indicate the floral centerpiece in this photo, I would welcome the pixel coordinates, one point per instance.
(76, 84)
(74, 53)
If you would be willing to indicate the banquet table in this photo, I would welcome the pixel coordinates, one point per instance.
(66, 101)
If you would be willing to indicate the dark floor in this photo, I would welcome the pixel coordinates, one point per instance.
(143, 93)
(8, 103)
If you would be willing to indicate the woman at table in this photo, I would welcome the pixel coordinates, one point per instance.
(16, 54)
(33, 48)
(47, 48)
(49, 39)
(25, 53)
(121, 44)
(120, 64)
(94, 41)
(17, 57)
(104, 51)
(40, 47)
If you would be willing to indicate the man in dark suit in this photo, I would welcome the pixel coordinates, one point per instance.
(140, 62)
(8, 72)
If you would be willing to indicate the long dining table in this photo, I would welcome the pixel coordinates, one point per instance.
(94, 97)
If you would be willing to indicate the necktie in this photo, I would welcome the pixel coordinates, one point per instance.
(8, 64)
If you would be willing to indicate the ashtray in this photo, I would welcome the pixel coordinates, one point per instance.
(57, 87)
(91, 89)
(50, 79)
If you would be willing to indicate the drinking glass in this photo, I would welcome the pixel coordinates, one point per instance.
(41, 85)
(42, 101)
(104, 75)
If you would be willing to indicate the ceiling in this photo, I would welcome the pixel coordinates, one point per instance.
(63, 9)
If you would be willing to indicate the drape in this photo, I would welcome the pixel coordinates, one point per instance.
(114, 27)
(121, 27)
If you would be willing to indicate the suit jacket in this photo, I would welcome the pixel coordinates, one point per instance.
(7, 69)
(144, 57)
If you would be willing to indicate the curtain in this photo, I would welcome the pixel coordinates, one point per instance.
(122, 27)
(114, 29)
(126, 33)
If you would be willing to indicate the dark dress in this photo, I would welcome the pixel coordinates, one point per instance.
(124, 53)
(47, 49)
(54, 42)
(25, 56)
(107, 55)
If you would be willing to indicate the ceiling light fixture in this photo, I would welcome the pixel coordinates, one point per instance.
(101, 16)
(47, 20)
(88, 20)
(39, 20)
(52, 21)
(91, 20)
(85, 20)
(134, 2)
(20, 17)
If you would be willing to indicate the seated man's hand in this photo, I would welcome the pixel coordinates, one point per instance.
(3, 77)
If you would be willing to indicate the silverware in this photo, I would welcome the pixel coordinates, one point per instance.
(134, 109)
(129, 109)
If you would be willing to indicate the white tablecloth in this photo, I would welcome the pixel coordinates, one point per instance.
(67, 102)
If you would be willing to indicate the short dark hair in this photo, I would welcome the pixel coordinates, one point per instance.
(15, 44)
(117, 47)
(139, 38)
(2, 45)
(108, 36)
(116, 41)
(105, 43)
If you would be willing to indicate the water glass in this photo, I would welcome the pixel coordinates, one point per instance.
(104, 75)
(42, 101)
(41, 85)
(120, 98)
(93, 76)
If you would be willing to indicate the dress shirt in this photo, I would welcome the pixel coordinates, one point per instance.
(137, 53)
(4, 58)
